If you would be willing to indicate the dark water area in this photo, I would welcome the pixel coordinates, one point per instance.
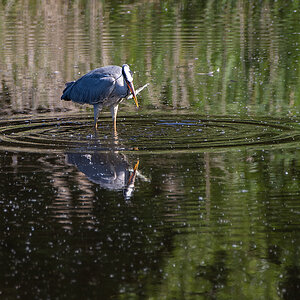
(197, 196)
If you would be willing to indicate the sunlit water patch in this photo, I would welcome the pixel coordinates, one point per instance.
(158, 133)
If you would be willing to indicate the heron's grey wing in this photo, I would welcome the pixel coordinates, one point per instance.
(90, 89)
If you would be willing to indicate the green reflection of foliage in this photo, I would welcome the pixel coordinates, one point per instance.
(240, 241)
(168, 43)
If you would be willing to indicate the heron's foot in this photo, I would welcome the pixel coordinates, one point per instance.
(115, 136)
(115, 133)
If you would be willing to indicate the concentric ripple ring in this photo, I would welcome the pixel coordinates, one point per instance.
(155, 133)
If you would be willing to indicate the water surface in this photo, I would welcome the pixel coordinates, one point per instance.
(198, 194)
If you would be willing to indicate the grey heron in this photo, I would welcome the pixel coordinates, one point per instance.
(102, 87)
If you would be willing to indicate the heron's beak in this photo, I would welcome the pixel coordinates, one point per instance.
(132, 176)
(131, 87)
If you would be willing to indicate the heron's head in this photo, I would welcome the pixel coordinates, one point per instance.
(129, 80)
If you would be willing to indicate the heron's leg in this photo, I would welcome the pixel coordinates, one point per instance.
(114, 111)
(96, 114)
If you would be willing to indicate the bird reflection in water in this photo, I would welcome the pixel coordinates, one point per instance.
(110, 170)
(100, 163)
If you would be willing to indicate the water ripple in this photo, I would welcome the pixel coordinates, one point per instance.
(161, 133)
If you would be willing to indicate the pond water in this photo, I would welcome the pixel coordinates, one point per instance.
(197, 196)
